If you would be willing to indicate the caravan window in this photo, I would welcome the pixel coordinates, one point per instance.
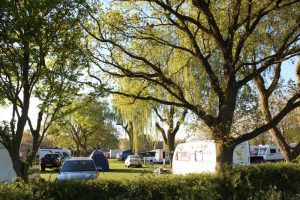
(65, 154)
(183, 156)
(262, 151)
(199, 156)
(272, 150)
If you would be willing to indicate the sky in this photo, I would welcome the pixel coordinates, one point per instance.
(288, 70)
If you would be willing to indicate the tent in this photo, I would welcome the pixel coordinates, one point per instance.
(7, 172)
(100, 160)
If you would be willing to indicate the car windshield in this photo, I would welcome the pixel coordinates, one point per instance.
(135, 157)
(150, 154)
(78, 165)
(52, 156)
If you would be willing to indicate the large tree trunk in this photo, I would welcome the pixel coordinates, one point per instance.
(19, 166)
(171, 146)
(224, 154)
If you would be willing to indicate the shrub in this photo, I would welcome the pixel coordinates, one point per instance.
(249, 181)
(262, 181)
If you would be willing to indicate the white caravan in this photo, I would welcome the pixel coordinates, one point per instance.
(64, 152)
(200, 156)
(269, 152)
(7, 172)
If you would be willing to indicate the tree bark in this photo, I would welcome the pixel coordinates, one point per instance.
(275, 132)
(265, 94)
(224, 155)
(171, 146)
(169, 137)
(20, 167)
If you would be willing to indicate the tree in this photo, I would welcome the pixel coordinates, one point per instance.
(134, 117)
(128, 128)
(172, 126)
(89, 126)
(288, 152)
(40, 57)
(217, 42)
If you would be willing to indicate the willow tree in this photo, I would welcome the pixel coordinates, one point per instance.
(225, 44)
(40, 57)
(135, 117)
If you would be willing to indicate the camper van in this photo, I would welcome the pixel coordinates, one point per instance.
(64, 152)
(264, 153)
(200, 156)
(7, 172)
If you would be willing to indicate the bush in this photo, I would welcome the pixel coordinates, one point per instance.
(263, 181)
(280, 178)
(297, 160)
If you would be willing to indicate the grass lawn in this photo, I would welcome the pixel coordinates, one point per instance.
(117, 171)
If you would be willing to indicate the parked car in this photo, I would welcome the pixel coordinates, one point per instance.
(51, 160)
(119, 156)
(133, 160)
(78, 168)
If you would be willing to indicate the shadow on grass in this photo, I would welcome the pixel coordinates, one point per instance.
(131, 170)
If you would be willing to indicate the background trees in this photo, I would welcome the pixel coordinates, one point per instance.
(88, 126)
(170, 120)
(198, 55)
(40, 57)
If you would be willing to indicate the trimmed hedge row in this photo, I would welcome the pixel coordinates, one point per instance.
(264, 181)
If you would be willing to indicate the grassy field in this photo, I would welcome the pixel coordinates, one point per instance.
(117, 171)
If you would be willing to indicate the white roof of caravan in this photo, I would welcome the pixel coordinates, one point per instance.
(7, 172)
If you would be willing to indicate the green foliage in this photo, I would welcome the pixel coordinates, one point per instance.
(41, 60)
(274, 179)
(136, 113)
(88, 125)
(297, 160)
(264, 181)
(20, 190)
(198, 55)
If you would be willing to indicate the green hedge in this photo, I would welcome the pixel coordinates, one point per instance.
(264, 181)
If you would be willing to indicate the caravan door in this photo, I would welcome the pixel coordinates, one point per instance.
(241, 154)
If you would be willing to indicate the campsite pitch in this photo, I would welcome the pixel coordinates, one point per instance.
(117, 171)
